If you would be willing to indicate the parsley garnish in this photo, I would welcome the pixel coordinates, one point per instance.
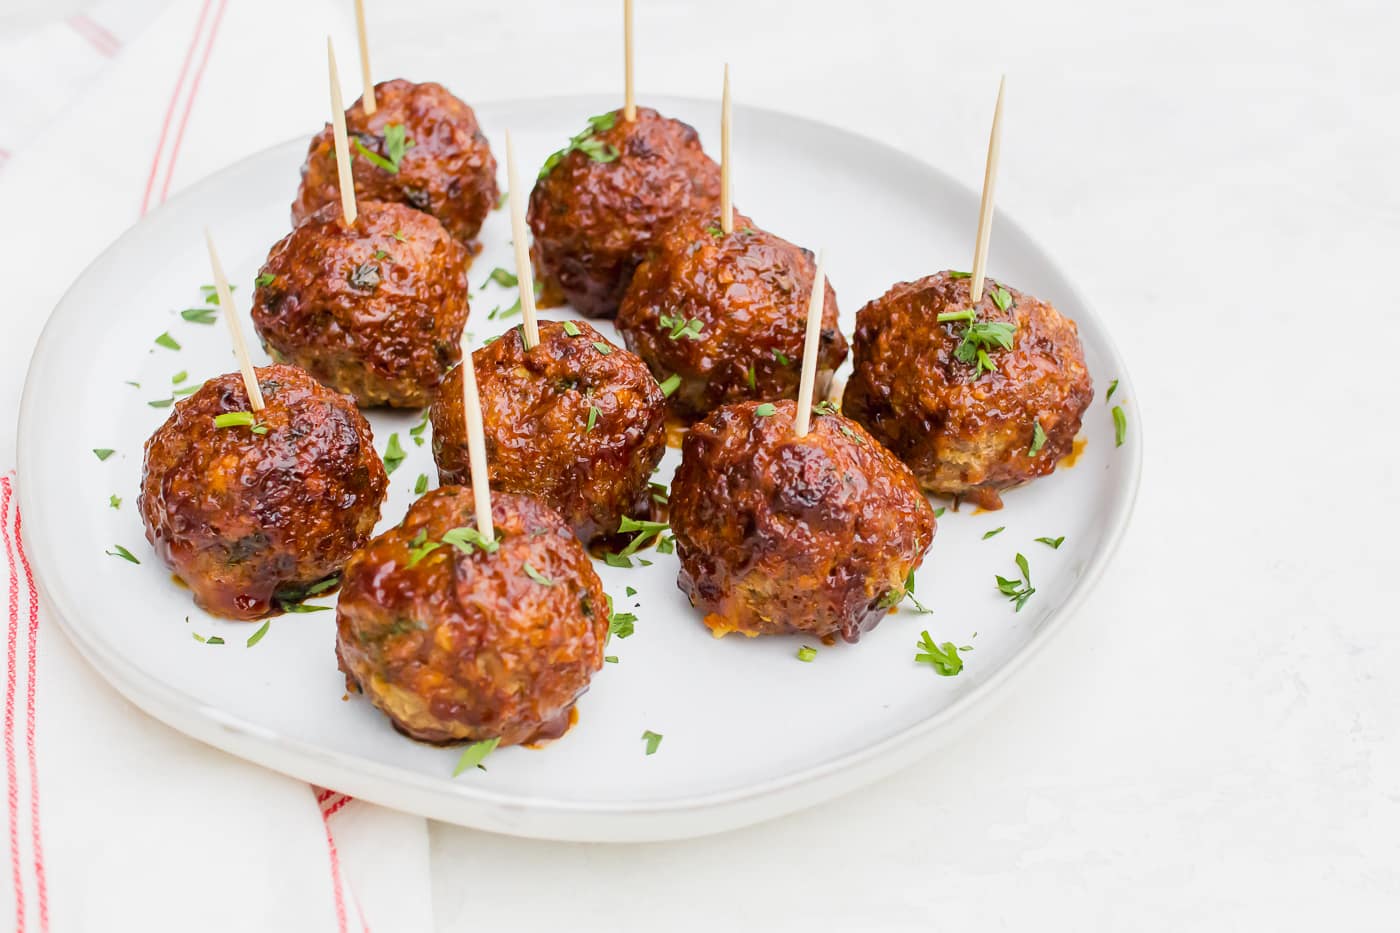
(211, 640)
(199, 315)
(602, 347)
(781, 357)
(944, 658)
(1018, 591)
(1001, 298)
(828, 407)
(167, 341)
(1112, 387)
(420, 547)
(234, 419)
(587, 143)
(750, 377)
(416, 432)
(114, 501)
(421, 486)
(396, 143)
(978, 338)
(680, 327)
(264, 280)
(670, 384)
(938, 512)
(474, 755)
(393, 454)
(502, 277)
(806, 654)
(123, 553)
(715, 230)
(1053, 543)
(621, 624)
(653, 740)
(179, 377)
(592, 417)
(643, 531)
(162, 403)
(1037, 439)
(103, 452)
(1120, 426)
(766, 410)
(467, 538)
(257, 636)
(959, 275)
(993, 533)
(571, 329)
(895, 597)
(398, 235)
(535, 575)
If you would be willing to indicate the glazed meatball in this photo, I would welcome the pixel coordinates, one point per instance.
(252, 510)
(425, 150)
(598, 203)
(575, 421)
(967, 430)
(783, 534)
(726, 314)
(455, 642)
(374, 310)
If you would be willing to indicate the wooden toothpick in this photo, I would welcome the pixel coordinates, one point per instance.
(989, 187)
(476, 444)
(342, 141)
(803, 420)
(524, 274)
(235, 332)
(367, 101)
(726, 190)
(629, 108)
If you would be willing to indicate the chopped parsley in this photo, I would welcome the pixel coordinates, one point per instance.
(103, 452)
(621, 624)
(257, 636)
(398, 235)
(631, 591)
(766, 410)
(167, 341)
(114, 501)
(670, 384)
(993, 533)
(1001, 298)
(959, 275)
(474, 755)
(420, 547)
(1018, 591)
(396, 143)
(978, 338)
(641, 531)
(502, 277)
(806, 653)
(264, 280)
(781, 357)
(587, 143)
(1037, 439)
(571, 329)
(468, 538)
(1120, 426)
(680, 327)
(943, 658)
(205, 315)
(179, 377)
(162, 403)
(211, 640)
(653, 740)
(602, 347)
(123, 553)
(1053, 543)
(393, 454)
(1112, 387)
(293, 598)
(535, 575)
(895, 597)
(421, 486)
(234, 419)
(592, 417)
(828, 407)
(416, 432)
(938, 512)
(750, 377)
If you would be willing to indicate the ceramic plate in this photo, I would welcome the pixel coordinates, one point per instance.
(750, 732)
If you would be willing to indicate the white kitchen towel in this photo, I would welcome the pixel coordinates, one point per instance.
(116, 822)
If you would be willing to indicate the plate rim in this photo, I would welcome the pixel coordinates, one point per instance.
(551, 817)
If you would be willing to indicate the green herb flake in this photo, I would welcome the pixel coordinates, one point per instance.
(1001, 298)
(592, 417)
(751, 378)
(393, 454)
(416, 432)
(943, 658)
(587, 143)
(179, 377)
(959, 275)
(1120, 426)
(782, 358)
(938, 512)
(502, 277)
(1037, 439)
(622, 624)
(204, 315)
(653, 740)
(114, 501)
(670, 384)
(602, 347)
(421, 486)
(993, 533)
(631, 591)
(766, 410)
(234, 419)
(161, 403)
(1052, 543)
(571, 329)
(1112, 387)
(474, 755)
(535, 575)
(610, 658)
(103, 452)
(257, 636)
(167, 341)
(211, 640)
(617, 560)
(123, 553)
(806, 653)
(680, 327)
(1018, 591)
(264, 280)
(398, 235)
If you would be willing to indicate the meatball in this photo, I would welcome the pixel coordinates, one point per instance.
(455, 642)
(421, 147)
(252, 510)
(599, 201)
(574, 420)
(726, 314)
(375, 310)
(782, 534)
(968, 427)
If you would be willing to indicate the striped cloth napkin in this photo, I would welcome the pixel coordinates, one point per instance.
(116, 822)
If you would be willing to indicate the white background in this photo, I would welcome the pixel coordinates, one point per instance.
(1214, 742)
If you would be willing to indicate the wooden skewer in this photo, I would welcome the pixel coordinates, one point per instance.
(629, 108)
(367, 101)
(342, 141)
(989, 187)
(240, 349)
(803, 420)
(524, 274)
(726, 190)
(476, 444)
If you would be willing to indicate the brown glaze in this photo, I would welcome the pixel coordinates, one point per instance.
(964, 436)
(750, 291)
(465, 647)
(375, 310)
(593, 220)
(780, 534)
(535, 408)
(246, 519)
(448, 172)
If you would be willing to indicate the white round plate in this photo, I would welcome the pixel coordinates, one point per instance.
(750, 732)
